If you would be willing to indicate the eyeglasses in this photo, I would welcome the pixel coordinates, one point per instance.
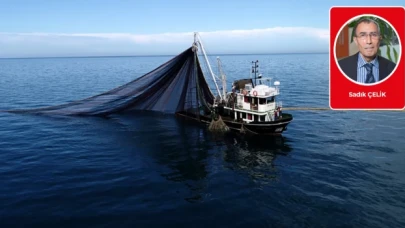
(364, 36)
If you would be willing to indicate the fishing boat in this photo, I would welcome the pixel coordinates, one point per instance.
(251, 106)
(179, 86)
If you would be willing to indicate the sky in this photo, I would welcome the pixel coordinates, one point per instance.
(49, 28)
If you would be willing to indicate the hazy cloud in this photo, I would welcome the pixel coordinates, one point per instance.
(268, 40)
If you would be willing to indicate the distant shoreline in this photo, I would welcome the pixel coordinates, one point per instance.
(129, 56)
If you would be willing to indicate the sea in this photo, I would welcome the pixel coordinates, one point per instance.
(329, 169)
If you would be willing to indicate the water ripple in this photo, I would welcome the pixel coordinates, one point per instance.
(330, 169)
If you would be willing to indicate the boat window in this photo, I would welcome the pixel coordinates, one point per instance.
(262, 101)
(247, 99)
(270, 99)
(262, 118)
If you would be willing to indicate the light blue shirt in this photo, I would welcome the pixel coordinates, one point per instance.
(362, 71)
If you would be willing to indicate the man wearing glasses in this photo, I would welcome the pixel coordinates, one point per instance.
(366, 66)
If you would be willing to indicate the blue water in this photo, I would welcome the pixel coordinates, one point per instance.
(330, 168)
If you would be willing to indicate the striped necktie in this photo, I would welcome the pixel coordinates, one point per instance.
(369, 77)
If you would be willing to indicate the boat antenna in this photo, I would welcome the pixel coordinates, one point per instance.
(255, 68)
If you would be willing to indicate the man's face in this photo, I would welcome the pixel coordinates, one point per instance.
(367, 40)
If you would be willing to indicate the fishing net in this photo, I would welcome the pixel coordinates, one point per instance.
(177, 85)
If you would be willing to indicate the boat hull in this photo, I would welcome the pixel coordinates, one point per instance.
(258, 128)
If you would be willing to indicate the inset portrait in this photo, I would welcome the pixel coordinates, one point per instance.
(367, 49)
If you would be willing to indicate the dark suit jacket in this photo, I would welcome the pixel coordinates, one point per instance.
(349, 66)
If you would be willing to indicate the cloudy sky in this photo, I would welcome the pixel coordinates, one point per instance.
(159, 27)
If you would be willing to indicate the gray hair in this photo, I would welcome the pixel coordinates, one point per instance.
(367, 21)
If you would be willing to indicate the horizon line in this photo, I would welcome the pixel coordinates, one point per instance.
(157, 55)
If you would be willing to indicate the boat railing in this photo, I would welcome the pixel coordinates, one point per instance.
(272, 93)
(265, 80)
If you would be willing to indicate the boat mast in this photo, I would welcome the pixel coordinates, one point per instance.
(223, 76)
(206, 59)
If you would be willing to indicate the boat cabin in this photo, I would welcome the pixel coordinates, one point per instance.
(253, 103)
